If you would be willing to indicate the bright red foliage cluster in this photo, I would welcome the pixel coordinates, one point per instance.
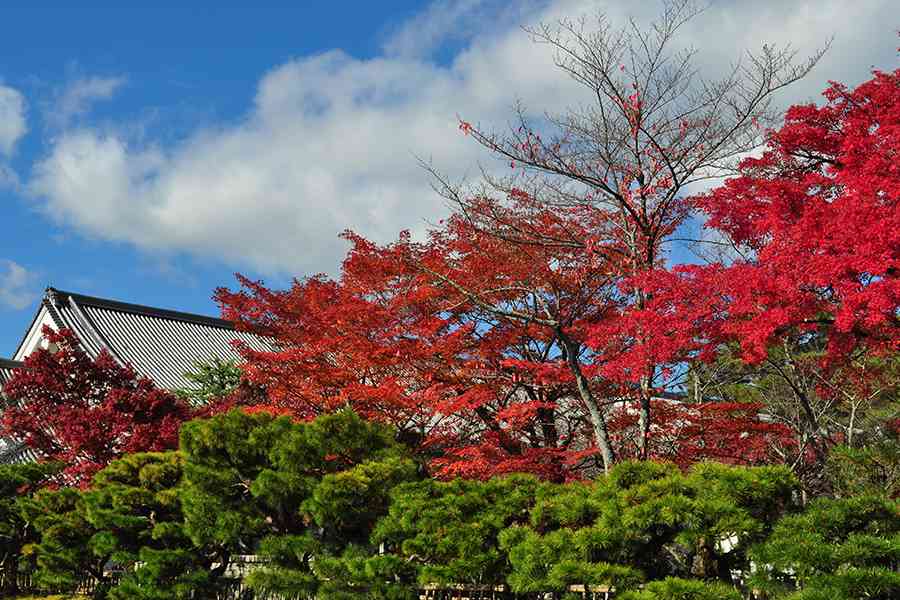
(463, 343)
(817, 220)
(86, 413)
(440, 339)
(820, 213)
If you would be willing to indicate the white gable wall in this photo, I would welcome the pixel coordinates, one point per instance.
(35, 338)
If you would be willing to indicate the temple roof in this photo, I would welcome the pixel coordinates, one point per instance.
(160, 344)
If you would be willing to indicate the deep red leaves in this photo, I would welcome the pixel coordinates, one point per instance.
(817, 217)
(457, 340)
(84, 412)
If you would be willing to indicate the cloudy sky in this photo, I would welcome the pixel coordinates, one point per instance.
(148, 154)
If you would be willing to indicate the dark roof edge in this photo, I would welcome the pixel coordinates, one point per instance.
(5, 363)
(140, 309)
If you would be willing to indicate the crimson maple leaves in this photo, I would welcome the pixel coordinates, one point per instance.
(85, 413)
(817, 217)
(812, 289)
(510, 339)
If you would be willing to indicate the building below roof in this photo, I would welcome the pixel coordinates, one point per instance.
(6, 369)
(160, 344)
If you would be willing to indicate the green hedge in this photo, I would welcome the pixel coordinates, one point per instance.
(337, 508)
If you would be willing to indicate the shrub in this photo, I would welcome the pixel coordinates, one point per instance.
(837, 548)
(646, 521)
(300, 495)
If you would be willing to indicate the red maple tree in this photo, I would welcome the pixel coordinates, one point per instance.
(469, 373)
(87, 412)
(475, 348)
(653, 128)
(812, 289)
(503, 340)
(817, 219)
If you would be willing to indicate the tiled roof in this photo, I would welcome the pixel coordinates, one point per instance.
(15, 453)
(160, 344)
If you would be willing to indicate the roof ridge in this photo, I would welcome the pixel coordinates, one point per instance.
(141, 309)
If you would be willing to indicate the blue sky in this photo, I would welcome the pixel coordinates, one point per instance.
(146, 154)
(180, 65)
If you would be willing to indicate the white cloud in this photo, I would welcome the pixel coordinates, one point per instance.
(456, 21)
(12, 119)
(15, 285)
(77, 97)
(329, 141)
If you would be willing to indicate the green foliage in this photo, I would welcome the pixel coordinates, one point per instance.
(135, 507)
(449, 529)
(673, 588)
(560, 558)
(66, 551)
(558, 544)
(872, 469)
(130, 520)
(211, 380)
(357, 573)
(17, 483)
(300, 495)
(224, 458)
(337, 510)
(133, 502)
(646, 520)
(845, 548)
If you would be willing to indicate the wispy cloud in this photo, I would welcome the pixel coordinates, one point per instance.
(13, 124)
(78, 96)
(16, 285)
(456, 21)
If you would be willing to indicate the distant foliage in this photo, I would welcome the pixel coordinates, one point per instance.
(211, 381)
(872, 469)
(17, 484)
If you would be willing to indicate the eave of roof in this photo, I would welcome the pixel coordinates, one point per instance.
(7, 364)
(13, 452)
(159, 343)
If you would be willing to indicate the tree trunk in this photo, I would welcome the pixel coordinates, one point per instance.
(598, 420)
(644, 418)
